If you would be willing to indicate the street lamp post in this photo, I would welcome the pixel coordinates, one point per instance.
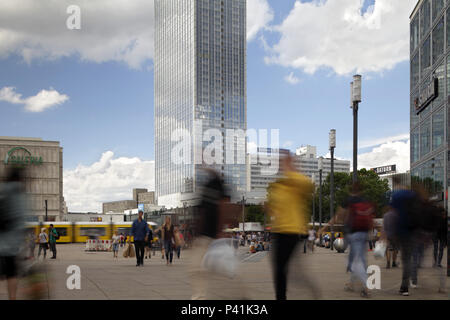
(320, 195)
(184, 220)
(332, 146)
(355, 95)
(313, 216)
(243, 215)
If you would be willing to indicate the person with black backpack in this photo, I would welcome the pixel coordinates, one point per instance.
(53, 236)
(358, 222)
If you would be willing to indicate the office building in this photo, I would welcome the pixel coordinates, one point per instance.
(200, 84)
(43, 165)
(430, 87)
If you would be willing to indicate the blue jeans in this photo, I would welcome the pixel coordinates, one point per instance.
(358, 241)
(168, 248)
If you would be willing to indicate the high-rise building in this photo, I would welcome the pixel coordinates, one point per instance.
(430, 88)
(200, 84)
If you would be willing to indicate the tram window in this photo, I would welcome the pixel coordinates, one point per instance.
(62, 232)
(125, 231)
(92, 232)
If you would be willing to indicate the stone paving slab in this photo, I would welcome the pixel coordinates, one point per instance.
(104, 278)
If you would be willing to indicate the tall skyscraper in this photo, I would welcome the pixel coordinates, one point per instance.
(430, 89)
(200, 84)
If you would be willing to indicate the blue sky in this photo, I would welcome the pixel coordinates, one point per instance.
(110, 101)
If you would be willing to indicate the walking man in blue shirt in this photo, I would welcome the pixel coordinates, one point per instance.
(140, 232)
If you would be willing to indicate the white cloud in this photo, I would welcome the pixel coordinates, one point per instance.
(259, 15)
(109, 179)
(111, 30)
(291, 79)
(43, 100)
(379, 141)
(392, 152)
(334, 34)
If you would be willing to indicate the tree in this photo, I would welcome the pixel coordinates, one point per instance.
(373, 189)
(254, 213)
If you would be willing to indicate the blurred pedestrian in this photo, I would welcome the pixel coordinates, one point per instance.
(360, 222)
(389, 235)
(12, 226)
(148, 245)
(408, 206)
(179, 241)
(52, 237)
(168, 231)
(122, 239)
(440, 238)
(31, 241)
(288, 206)
(311, 239)
(140, 232)
(115, 244)
(43, 242)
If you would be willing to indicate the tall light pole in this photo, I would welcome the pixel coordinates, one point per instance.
(243, 215)
(355, 94)
(320, 195)
(184, 220)
(332, 146)
(313, 216)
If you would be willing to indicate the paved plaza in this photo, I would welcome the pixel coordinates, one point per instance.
(102, 277)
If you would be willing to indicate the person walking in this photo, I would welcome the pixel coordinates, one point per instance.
(407, 205)
(53, 236)
(115, 244)
(31, 241)
(439, 238)
(12, 227)
(168, 239)
(360, 222)
(148, 244)
(179, 241)
(288, 206)
(311, 239)
(389, 235)
(43, 243)
(140, 231)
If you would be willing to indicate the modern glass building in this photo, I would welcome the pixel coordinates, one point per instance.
(200, 84)
(430, 89)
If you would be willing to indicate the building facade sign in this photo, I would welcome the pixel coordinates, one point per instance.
(385, 169)
(427, 95)
(21, 156)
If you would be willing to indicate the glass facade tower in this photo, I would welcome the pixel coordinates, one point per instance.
(430, 89)
(200, 84)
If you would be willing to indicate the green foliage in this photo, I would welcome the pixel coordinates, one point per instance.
(374, 190)
(254, 213)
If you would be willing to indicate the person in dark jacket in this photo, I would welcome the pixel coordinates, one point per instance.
(440, 238)
(140, 232)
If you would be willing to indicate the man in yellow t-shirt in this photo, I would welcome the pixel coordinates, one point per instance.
(288, 205)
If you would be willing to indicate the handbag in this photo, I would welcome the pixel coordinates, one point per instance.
(380, 250)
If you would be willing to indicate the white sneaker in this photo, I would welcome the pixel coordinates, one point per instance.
(412, 285)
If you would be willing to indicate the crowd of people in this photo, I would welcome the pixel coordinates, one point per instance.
(410, 225)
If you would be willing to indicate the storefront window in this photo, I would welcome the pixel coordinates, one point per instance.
(438, 40)
(438, 129)
(425, 138)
